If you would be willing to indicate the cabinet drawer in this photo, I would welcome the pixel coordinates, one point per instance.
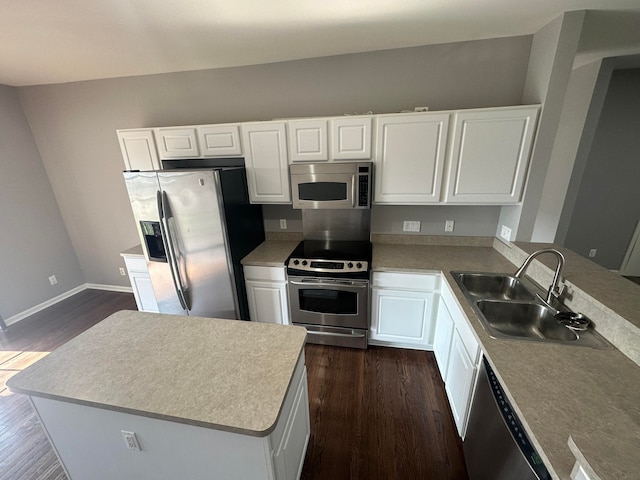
(136, 264)
(264, 273)
(411, 281)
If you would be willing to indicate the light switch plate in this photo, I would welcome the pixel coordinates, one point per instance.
(505, 233)
(411, 226)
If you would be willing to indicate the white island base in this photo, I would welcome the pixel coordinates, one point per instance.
(90, 443)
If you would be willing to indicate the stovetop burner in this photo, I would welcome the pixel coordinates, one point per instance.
(343, 258)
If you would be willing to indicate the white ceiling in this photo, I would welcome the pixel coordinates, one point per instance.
(55, 41)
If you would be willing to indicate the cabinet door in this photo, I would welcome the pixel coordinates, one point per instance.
(490, 155)
(308, 141)
(409, 158)
(138, 149)
(442, 338)
(351, 138)
(402, 318)
(177, 142)
(265, 151)
(141, 284)
(219, 140)
(267, 302)
(143, 292)
(461, 374)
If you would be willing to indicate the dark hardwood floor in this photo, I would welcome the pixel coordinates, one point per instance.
(380, 413)
(25, 452)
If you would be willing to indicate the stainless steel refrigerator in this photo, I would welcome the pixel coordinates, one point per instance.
(195, 226)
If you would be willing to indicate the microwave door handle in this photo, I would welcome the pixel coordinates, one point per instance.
(353, 191)
(160, 197)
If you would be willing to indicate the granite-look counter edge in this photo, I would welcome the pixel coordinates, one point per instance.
(270, 253)
(222, 374)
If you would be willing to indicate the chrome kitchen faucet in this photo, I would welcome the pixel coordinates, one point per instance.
(555, 289)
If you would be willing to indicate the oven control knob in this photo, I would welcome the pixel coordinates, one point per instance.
(350, 265)
(304, 262)
(296, 262)
(359, 265)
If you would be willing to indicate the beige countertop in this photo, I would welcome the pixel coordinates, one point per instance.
(133, 252)
(223, 374)
(270, 253)
(575, 402)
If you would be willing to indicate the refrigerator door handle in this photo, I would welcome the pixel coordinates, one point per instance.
(171, 258)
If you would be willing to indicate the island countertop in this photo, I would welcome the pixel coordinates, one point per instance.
(223, 374)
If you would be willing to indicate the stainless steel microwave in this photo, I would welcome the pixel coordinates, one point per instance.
(331, 185)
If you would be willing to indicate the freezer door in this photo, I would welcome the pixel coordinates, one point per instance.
(143, 188)
(197, 234)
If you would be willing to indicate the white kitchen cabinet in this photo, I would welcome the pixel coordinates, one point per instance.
(442, 338)
(308, 140)
(403, 307)
(141, 283)
(219, 140)
(351, 138)
(409, 157)
(461, 373)
(265, 153)
(138, 148)
(177, 142)
(267, 294)
(489, 154)
(458, 358)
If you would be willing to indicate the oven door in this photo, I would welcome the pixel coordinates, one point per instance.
(329, 302)
(324, 190)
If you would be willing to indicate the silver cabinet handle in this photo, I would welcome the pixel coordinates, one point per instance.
(171, 257)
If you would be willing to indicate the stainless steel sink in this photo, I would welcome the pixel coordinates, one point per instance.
(505, 287)
(526, 320)
(509, 308)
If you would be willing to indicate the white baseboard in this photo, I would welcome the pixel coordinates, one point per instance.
(52, 301)
(109, 288)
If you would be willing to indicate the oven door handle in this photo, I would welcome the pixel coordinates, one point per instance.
(334, 283)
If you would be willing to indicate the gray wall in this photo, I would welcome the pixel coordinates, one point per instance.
(74, 124)
(608, 201)
(33, 239)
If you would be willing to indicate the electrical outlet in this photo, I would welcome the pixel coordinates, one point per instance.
(53, 280)
(505, 233)
(592, 252)
(122, 272)
(448, 226)
(131, 440)
(413, 226)
(283, 224)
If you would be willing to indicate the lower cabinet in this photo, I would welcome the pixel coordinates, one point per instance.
(458, 356)
(141, 283)
(267, 294)
(402, 309)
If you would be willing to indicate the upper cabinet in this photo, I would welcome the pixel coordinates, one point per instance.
(351, 138)
(265, 153)
(308, 140)
(473, 157)
(219, 140)
(138, 149)
(490, 154)
(409, 157)
(177, 143)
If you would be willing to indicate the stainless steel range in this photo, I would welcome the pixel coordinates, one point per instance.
(329, 290)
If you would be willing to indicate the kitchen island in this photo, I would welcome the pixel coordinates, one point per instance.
(152, 396)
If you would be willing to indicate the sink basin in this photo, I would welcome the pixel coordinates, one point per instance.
(525, 320)
(495, 286)
(508, 308)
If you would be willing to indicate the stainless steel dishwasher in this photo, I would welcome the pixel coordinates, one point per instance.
(496, 446)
